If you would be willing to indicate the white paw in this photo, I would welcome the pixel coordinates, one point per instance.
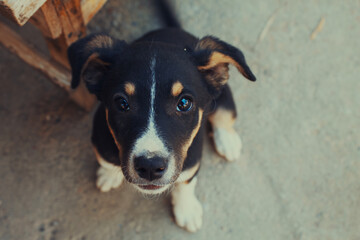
(108, 178)
(227, 143)
(188, 214)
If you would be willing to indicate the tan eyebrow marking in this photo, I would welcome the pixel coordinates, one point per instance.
(129, 88)
(176, 89)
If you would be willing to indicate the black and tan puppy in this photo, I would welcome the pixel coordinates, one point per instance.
(156, 95)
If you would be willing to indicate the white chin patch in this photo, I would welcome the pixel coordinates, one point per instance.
(152, 192)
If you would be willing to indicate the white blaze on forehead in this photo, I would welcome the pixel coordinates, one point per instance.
(150, 142)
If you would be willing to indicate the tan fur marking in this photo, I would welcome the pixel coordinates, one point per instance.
(112, 132)
(222, 118)
(193, 134)
(220, 75)
(129, 88)
(93, 57)
(97, 154)
(102, 161)
(100, 41)
(186, 175)
(208, 43)
(219, 58)
(176, 89)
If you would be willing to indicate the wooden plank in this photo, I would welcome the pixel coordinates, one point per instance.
(57, 73)
(69, 12)
(15, 44)
(58, 50)
(89, 8)
(47, 20)
(73, 28)
(20, 11)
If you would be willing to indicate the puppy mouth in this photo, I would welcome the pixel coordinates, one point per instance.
(150, 187)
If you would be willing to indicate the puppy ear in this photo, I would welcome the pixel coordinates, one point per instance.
(213, 57)
(91, 57)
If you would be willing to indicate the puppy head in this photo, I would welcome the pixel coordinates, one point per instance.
(156, 96)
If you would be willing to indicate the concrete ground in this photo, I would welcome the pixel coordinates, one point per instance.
(299, 174)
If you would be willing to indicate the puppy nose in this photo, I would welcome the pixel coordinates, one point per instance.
(150, 168)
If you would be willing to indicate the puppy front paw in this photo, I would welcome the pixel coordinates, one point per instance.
(108, 178)
(227, 143)
(188, 214)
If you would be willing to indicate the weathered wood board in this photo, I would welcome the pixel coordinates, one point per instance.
(20, 11)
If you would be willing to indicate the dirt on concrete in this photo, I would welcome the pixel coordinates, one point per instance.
(299, 173)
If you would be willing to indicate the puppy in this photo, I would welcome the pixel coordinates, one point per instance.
(156, 95)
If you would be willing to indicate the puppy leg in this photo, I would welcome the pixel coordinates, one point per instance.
(186, 207)
(108, 175)
(227, 141)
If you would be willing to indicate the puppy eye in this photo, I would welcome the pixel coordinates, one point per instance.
(184, 105)
(121, 104)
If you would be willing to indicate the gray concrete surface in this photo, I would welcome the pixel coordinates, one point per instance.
(298, 177)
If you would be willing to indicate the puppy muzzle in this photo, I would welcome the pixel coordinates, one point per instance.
(152, 175)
